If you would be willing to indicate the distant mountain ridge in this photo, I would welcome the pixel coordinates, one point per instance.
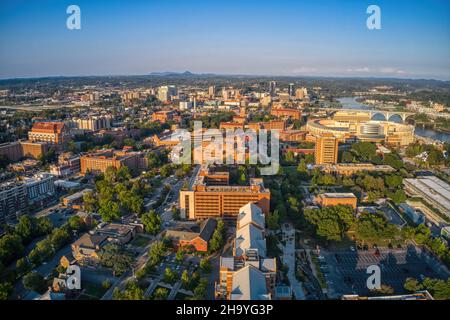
(178, 74)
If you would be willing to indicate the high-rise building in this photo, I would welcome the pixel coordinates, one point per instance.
(291, 89)
(212, 91)
(272, 88)
(93, 123)
(326, 150)
(166, 93)
(301, 93)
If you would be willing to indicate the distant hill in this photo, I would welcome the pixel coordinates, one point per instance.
(171, 73)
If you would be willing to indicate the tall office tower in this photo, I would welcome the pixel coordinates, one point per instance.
(272, 88)
(212, 91)
(291, 89)
(326, 150)
(301, 93)
(166, 93)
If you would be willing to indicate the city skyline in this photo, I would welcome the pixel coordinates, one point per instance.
(290, 38)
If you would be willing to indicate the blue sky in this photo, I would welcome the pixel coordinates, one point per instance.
(278, 37)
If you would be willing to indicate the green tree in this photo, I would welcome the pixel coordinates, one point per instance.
(170, 276)
(152, 222)
(76, 223)
(347, 157)
(200, 289)
(156, 252)
(273, 221)
(26, 228)
(60, 237)
(217, 240)
(6, 290)
(109, 210)
(179, 257)
(365, 150)
(90, 202)
(331, 222)
(34, 281)
(205, 265)
(185, 279)
(110, 175)
(412, 285)
(393, 181)
(302, 170)
(44, 226)
(123, 174)
(115, 258)
(132, 292)
(439, 289)
(398, 196)
(393, 160)
(23, 266)
(160, 294)
(10, 248)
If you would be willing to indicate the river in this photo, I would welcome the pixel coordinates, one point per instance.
(351, 103)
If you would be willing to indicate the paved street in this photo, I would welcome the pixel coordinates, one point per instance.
(289, 260)
(44, 269)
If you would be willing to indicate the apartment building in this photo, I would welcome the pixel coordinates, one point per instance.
(326, 150)
(14, 151)
(17, 196)
(98, 162)
(40, 188)
(13, 200)
(213, 200)
(92, 123)
(11, 150)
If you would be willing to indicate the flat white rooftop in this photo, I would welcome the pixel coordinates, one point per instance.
(432, 187)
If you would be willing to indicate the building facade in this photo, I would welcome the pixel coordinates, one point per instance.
(54, 133)
(326, 150)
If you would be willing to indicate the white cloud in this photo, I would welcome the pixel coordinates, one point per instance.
(392, 70)
(304, 70)
(358, 70)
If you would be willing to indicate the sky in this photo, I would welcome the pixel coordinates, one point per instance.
(251, 37)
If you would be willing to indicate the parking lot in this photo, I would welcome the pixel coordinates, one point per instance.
(345, 270)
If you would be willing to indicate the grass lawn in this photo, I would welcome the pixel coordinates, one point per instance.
(91, 291)
(181, 296)
(140, 241)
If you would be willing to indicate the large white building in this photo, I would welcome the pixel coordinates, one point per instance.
(433, 190)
